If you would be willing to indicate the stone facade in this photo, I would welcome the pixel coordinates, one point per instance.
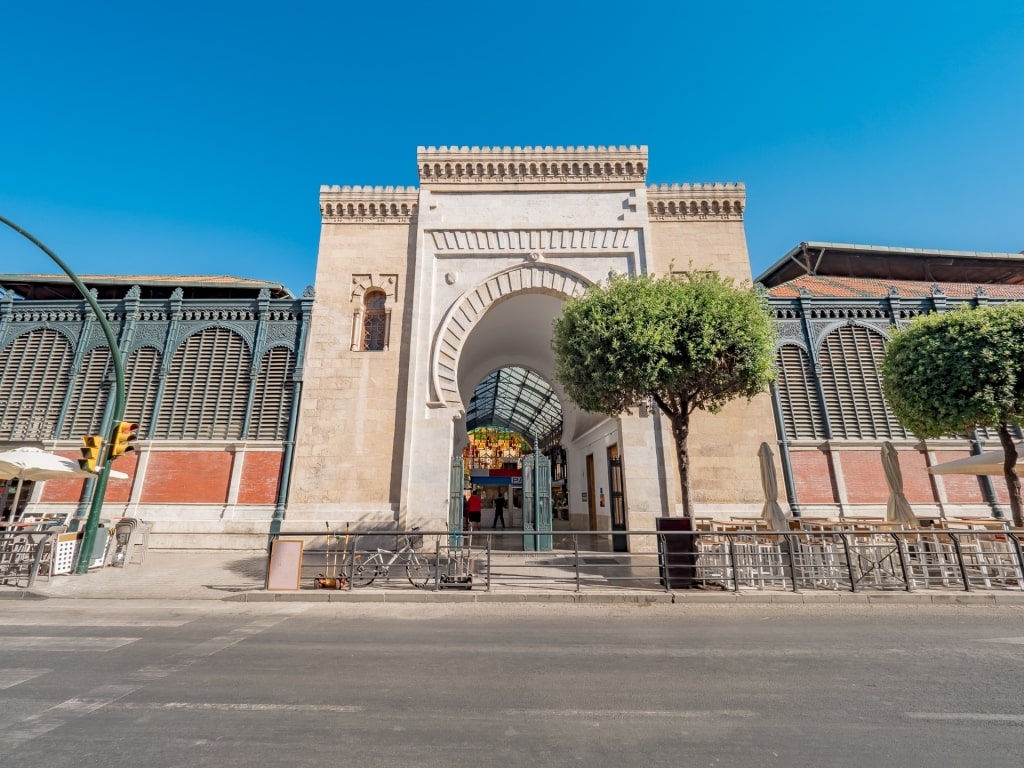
(472, 268)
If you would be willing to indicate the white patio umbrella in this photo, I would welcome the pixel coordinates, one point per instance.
(898, 509)
(23, 464)
(986, 463)
(772, 511)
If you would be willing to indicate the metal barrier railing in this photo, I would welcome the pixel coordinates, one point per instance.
(21, 556)
(797, 560)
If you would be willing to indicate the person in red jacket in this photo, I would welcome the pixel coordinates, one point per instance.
(474, 505)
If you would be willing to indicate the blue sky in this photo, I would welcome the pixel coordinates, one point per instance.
(193, 138)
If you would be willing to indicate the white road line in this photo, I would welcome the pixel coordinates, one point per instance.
(971, 717)
(92, 621)
(77, 644)
(12, 676)
(1011, 640)
(620, 714)
(16, 734)
(215, 706)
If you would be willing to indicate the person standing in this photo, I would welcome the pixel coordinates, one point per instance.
(474, 505)
(499, 510)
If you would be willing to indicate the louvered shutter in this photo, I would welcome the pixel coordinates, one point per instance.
(89, 396)
(798, 394)
(207, 388)
(33, 383)
(142, 381)
(274, 390)
(851, 358)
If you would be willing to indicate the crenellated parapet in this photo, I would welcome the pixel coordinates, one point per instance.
(696, 202)
(374, 205)
(531, 165)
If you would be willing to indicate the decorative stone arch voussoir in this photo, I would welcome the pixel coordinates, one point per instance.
(472, 305)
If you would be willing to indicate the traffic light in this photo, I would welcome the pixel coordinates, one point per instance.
(91, 452)
(124, 439)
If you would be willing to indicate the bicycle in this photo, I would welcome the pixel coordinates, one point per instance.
(418, 567)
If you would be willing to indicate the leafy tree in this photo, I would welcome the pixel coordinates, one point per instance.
(946, 373)
(687, 342)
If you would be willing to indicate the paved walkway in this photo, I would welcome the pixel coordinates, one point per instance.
(239, 575)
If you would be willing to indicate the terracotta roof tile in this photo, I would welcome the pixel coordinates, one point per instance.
(865, 288)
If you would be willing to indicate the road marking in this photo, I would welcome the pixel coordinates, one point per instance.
(92, 621)
(620, 714)
(76, 644)
(14, 676)
(1011, 640)
(215, 706)
(973, 717)
(19, 733)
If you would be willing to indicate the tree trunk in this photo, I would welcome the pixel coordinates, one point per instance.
(1010, 473)
(680, 433)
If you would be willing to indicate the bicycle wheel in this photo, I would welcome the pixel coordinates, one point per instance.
(364, 571)
(420, 570)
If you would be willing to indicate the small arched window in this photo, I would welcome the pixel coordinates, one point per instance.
(375, 323)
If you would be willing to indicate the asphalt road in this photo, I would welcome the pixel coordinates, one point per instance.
(144, 683)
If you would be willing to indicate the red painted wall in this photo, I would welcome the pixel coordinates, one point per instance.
(812, 474)
(260, 475)
(960, 489)
(187, 477)
(917, 483)
(864, 477)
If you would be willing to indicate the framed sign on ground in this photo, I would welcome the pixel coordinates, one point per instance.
(285, 567)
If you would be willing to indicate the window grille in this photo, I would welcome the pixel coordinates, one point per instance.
(274, 390)
(33, 384)
(89, 395)
(375, 322)
(142, 382)
(206, 389)
(851, 357)
(798, 394)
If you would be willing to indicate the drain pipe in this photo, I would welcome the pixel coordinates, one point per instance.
(787, 464)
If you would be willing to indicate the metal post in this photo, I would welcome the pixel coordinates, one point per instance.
(100, 491)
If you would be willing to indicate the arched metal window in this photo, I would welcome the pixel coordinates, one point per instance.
(33, 384)
(851, 358)
(375, 322)
(206, 389)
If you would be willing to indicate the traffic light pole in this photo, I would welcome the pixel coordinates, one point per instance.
(92, 522)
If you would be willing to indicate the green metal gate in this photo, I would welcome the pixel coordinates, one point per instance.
(455, 501)
(537, 502)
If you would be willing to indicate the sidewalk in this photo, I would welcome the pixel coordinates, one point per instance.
(239, 576)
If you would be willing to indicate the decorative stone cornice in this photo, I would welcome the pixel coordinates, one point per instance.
(374, 205)
(531, 165)
(696, 202)
(551, 241)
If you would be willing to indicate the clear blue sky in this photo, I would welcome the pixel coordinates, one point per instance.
(193, 137)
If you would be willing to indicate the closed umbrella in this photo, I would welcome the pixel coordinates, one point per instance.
(898, 509)
(772, 511)
(23, 464)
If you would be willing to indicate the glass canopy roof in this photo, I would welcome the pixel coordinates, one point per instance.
(516, 399)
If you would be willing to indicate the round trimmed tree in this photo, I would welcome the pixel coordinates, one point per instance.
(948, 373)
(687, 342)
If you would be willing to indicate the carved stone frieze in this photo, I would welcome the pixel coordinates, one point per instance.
(527, 241)
(537, 165)
(376, 205)
(696, 202)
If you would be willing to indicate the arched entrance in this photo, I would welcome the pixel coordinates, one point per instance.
(498, 337)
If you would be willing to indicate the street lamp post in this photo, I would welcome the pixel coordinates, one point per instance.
(92, 522)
